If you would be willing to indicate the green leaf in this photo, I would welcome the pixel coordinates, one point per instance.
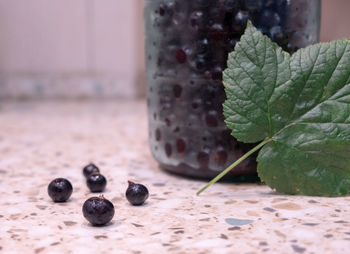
(300, 104)
(257, 74)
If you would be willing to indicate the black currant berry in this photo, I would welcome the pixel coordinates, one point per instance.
(269, 18)
(96, 182)
(239, 22)
(197, 20)
(136, 193)
(98, 210)
(89, 169)
(60, 190)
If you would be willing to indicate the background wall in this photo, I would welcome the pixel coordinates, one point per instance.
(74, 49)
(335, 19)
(89, 48)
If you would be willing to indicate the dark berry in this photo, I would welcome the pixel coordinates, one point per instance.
(96, 182)
(199, 63)
(180, 56)
(158, 135)
(89, 169)
(231, 44)
(216, 73)
(60, 190)
(180, 146)
(162, 10)
(167, 9)
(281, 5)
(177, 90)
(167, 121)
(211, 118)
(136, 193)
(197, 20)
(168, 149)
(215, 15)
(196, 103)
(202, 46)
(278, 36)
(98, 210)
(263, 29)
(221, 57)
(203, 158)
(269, 18)
(221, 157)
(240, 21)
(208, 138)
(207, 92)
(170, 50)
(217, 32)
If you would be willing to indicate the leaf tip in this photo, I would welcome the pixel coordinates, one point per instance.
(249, 25)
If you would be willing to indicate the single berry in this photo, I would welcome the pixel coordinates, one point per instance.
(180, 56)
(158, 135)
(96, 182)
(196, 103)
(231, 44)
(203, 158)
(197, 20)
(98, 210)
(217, 32)
(161, 10)
(221, 157)
(269, 18)
(89, 169)
(60, 190)
(277, 35)
(239, 21)
(168, 149)
(216, 73)
(177, 90)
(199, 63)
(180, 146)
(136, 193)
(202, 46)
(211, 118)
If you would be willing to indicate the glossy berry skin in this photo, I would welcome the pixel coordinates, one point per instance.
(96, 182)
(98, 211)
(89, 169)
(240, 21)
(60, 189)
(136, 194)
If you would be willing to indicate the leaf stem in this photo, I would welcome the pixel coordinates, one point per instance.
(245, 156)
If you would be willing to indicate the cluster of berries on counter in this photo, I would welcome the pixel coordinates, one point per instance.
(98, 210)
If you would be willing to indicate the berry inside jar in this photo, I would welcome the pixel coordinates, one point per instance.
(187, 45)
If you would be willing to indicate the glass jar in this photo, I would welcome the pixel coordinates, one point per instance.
(187, 44)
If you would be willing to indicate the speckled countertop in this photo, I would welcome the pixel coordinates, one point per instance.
(41, 141)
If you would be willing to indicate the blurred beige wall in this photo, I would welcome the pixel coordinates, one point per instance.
(335, 19)
(71, 48)
(90, 48)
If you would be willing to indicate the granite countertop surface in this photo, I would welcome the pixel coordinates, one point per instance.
(44, 140)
